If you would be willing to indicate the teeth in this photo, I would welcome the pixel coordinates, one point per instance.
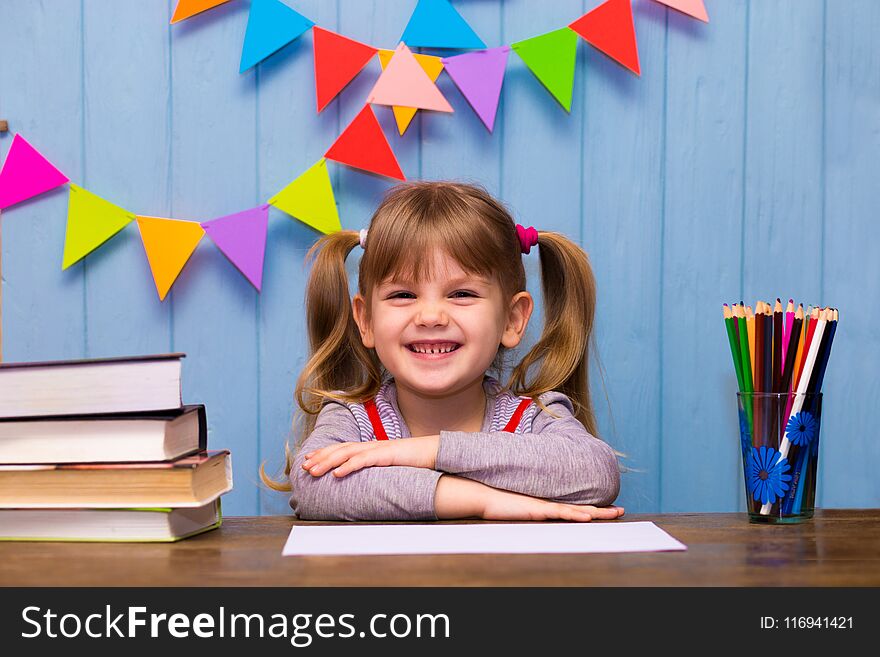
(436, 349)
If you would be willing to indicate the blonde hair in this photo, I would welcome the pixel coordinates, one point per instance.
(479, 233)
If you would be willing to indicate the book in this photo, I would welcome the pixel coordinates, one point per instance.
(158, 436)
(97, 385)
(108, 525)
(188, 481)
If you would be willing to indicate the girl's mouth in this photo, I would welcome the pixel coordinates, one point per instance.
(435, 351)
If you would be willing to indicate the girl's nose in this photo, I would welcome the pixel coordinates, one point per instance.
(431, 314)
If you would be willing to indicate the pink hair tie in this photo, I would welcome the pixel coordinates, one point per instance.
(528, 237)
(363, 239)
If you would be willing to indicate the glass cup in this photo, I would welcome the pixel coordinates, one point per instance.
(779, 435)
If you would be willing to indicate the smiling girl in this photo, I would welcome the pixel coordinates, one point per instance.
(402, 420)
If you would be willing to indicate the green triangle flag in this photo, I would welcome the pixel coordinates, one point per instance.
(551, 57)
(91, 221)
(310, 199)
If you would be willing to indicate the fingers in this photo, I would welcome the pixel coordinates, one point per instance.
(585, 512)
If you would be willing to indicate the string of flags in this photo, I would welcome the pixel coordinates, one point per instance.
(407, 84)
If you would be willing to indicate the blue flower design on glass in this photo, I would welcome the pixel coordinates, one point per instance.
(768, 480)
(801, 428)
(745, 434)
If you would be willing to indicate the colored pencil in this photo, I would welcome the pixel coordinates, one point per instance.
(786, 330)
(747, 370)
(750, 326)
(800, 350)
(777, 346)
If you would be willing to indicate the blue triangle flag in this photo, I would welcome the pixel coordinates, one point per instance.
(436, 24)
(271, 26)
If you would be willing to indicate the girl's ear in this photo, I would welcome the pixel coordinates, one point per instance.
(359, 310)
(521, 308)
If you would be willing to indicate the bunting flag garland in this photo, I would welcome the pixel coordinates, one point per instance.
(363, 145)
(310, 199)
(436, 24)
(552, 58)
(610, 28)
(168, 243)
(187, 8)
(405, 83)
(242, 238)
(26, 174)
(694, 8)
(271, 26)
(479, 76)
(433, 67)
(91, 221)
(337, 61)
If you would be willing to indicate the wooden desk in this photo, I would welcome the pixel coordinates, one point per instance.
(836, 548)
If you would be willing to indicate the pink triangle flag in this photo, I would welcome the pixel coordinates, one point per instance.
(26, 173)
(242, 238)
(694, 8)
(404, 83)
(479, 76)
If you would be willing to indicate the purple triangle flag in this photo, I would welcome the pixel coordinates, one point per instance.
(26, 173)
(479, 76)
(242, 238)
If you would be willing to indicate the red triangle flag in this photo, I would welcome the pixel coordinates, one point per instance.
(610, 28)
(337, 60)
(363, 145)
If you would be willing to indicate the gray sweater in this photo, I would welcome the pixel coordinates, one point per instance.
(554, 458)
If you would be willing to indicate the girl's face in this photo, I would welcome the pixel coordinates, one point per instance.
(440, 335)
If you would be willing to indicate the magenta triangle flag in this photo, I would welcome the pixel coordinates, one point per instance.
(26, 173)
(479, 76)
(242, 238)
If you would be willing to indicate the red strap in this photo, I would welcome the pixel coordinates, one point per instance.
(517, 415)
(375, 420)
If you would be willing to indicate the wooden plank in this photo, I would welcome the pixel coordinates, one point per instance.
(701, 467)
(213, 173)
(127, 155)
(42, 95)
(540, 170)
(622, 147)
(849, 265)
(291, 137)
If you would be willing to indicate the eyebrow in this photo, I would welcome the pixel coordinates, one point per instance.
(471, 278)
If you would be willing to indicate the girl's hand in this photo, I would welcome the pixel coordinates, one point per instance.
(345, 458)
(504, 505)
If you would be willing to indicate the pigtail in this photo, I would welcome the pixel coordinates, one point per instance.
(339, 366)
(562, 352)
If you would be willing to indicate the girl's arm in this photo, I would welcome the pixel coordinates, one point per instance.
(463, 498)
(390, 493)
(558, 460)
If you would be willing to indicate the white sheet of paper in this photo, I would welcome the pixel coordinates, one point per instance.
(511, 538)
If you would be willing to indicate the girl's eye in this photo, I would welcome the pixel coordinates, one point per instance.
(401, 295)
(466, 293)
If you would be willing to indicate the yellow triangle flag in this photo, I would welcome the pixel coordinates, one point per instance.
(169, 243)
(91, 221)
(310, 199)
(432, 65)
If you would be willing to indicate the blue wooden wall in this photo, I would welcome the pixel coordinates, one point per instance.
(741, 164)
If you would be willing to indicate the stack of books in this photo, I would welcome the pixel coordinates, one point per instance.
(105, 450)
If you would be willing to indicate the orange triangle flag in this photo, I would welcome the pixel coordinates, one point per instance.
(610, 28)
(363, 145)
(169, 243)
(337, 60)
(404, 83)
(187, 8)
